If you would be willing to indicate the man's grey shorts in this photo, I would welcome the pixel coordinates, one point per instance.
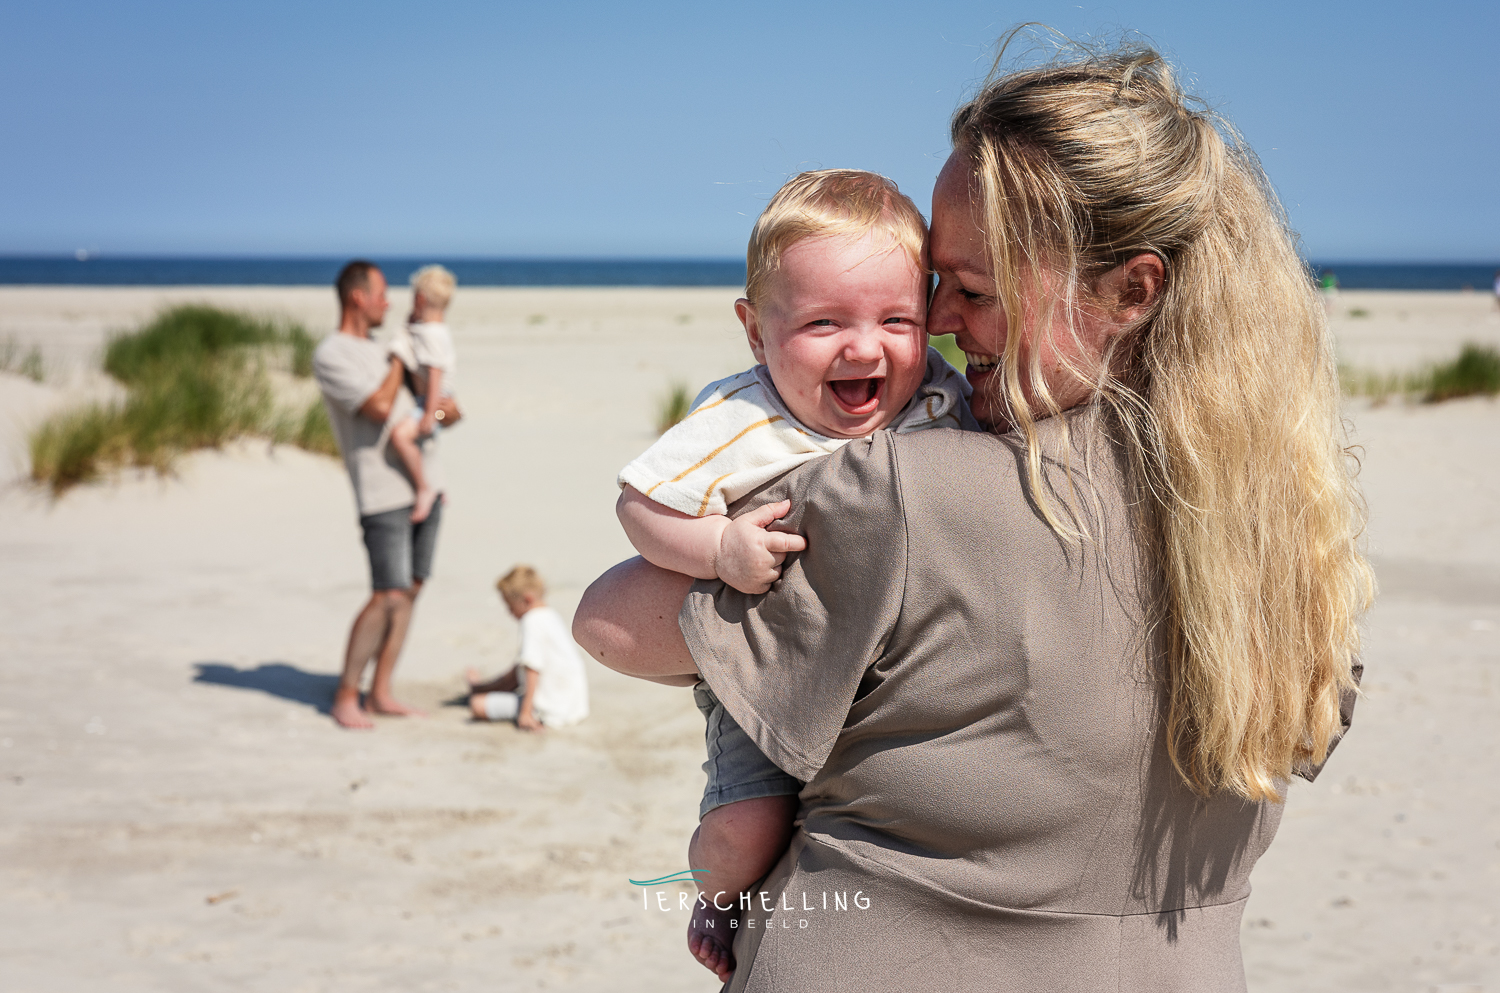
(737, 769)
(400, 551)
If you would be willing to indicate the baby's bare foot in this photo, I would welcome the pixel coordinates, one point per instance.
(426, 496)
(471, 676)
(709, 940)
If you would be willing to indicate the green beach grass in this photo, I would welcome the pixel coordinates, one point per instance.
(1475, 372)
(28, 363)
(195, 377)
(672, 406)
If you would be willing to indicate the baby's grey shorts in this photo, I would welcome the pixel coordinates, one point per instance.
(737, 769)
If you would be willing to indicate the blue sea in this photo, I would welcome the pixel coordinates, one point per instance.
(106, 270)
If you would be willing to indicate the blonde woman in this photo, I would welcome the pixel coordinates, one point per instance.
(1047, 685)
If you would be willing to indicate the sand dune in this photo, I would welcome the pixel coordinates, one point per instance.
(180, 813)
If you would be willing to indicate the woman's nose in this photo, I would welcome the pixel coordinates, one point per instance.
(942, 315)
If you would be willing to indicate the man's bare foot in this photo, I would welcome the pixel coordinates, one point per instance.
(389, 706)
(709, 941)
(426, 497)
(349, 714)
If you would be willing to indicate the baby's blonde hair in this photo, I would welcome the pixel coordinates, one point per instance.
(435, 283)
(828, 202)
(521, 580)
(1225, 395)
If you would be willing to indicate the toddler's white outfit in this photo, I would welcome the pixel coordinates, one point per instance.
(430, 346)
(740, 435)
(562, 692)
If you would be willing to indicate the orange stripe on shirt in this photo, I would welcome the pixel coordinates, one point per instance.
(714, 454)
(708, 406)
(706, 496)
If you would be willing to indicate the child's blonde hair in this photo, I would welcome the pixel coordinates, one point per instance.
(1225, 396)
(828, 202)
(435, 283)
(521, 580)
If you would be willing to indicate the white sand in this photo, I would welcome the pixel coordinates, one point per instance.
(165, 647)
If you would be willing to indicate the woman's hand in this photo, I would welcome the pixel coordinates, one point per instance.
(750, 556)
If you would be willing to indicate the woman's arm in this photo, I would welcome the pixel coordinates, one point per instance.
(627, 620)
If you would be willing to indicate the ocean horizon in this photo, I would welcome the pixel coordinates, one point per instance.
(122, 270)
(129, 270)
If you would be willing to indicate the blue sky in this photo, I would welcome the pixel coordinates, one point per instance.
(660, 129)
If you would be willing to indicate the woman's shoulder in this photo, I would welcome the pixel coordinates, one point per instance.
(1079, 470)
(939, 456)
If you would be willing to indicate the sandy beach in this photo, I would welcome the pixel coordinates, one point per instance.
(181, 814)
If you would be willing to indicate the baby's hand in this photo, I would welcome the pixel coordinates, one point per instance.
(749, 556)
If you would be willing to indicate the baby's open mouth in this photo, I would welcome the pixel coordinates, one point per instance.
(857, 396)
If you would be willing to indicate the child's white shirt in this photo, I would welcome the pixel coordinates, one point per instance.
(562, 692)
(431, 345)
(740, 435)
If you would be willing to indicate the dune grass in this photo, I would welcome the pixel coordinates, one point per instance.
(311, 430)
(1475, 372)
(28, 363)
(672, 407)
(195, 377)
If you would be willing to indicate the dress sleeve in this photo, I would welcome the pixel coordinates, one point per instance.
(788, 663)
(1347, 700)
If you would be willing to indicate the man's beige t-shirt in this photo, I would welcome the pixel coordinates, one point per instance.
(349, 369)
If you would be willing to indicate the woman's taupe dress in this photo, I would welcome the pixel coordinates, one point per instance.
(975, 706)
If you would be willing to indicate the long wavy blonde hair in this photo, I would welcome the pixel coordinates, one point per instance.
(1225, 394)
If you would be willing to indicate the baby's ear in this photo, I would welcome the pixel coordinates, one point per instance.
(745, 311)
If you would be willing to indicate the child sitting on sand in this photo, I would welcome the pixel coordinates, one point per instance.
(835, 310)
(546, 687)
(425, 347)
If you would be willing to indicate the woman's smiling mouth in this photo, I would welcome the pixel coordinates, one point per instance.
(982, 363)
(857, 396)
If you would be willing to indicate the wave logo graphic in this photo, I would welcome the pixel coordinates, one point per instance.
(681, 876)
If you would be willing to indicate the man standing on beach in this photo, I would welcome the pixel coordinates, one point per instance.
(362, 389)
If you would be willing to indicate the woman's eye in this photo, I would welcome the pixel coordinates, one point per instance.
(969, 294)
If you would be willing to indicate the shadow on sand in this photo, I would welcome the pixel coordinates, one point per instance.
(315, 689)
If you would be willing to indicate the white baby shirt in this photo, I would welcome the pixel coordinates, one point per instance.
(740, 435)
